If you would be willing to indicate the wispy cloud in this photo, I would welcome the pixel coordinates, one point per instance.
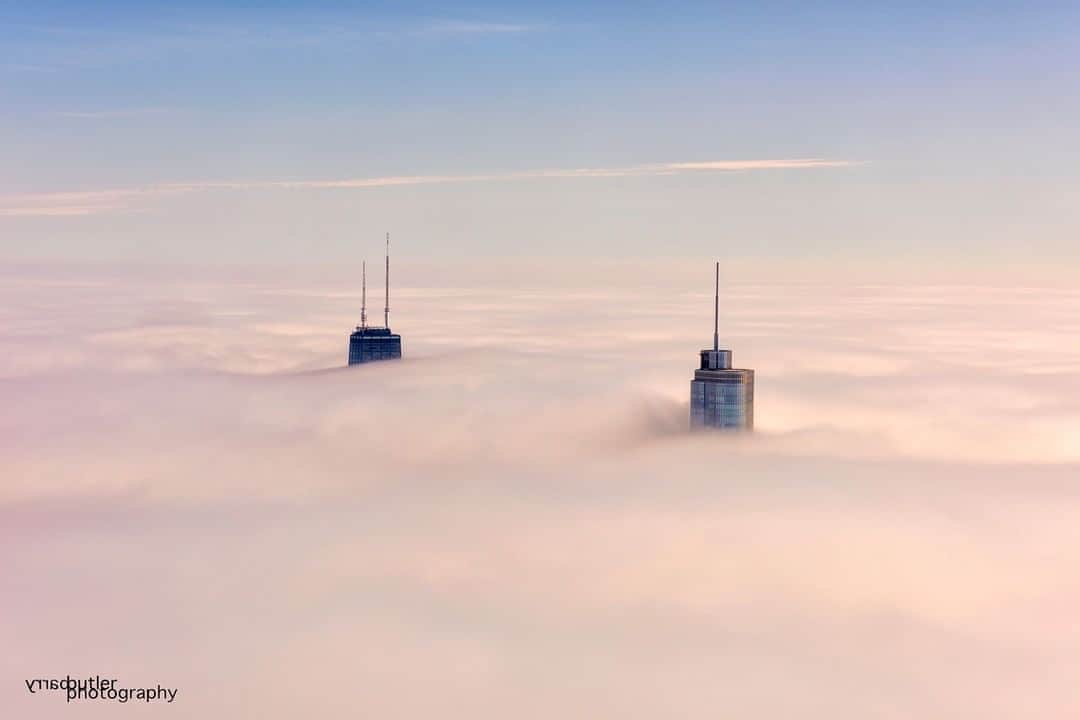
(54, 48)
(106, 114)
(466, 27)
(56, 211)
(17, 67)
(100, 201)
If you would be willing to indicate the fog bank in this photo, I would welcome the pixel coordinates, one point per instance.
(513, 520)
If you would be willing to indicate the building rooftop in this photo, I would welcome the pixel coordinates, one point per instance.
(372, 331)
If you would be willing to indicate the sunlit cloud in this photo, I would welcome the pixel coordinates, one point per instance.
(513, 517)
(57, 210)
(102, 201)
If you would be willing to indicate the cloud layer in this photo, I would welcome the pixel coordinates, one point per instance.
(512, 522)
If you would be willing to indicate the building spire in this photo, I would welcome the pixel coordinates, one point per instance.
(716, 311)
(363, 295)
(386, 312)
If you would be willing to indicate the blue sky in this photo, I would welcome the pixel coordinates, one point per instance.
(949, 129)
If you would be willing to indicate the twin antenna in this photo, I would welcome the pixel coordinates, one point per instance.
(363, 292)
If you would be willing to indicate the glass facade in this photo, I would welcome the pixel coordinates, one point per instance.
(372, 345)
(721, 396)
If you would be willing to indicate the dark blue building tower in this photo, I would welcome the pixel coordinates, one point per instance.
(370, 344)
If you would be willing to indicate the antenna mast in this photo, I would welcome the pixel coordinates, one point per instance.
(363, 295)
(716, 311)
(386, 312)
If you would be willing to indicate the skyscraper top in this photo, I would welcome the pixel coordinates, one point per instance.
(369, 344)
(721, 396)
